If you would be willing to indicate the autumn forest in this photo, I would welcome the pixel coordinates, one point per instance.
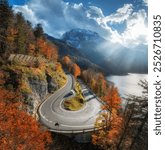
(32, 68)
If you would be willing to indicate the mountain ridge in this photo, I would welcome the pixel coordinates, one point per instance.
(87, 45)
(66, 49)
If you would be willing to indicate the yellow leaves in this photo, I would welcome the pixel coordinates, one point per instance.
(31, 48)
(37, 71)
(57, 74)
(112, 120)
(24, 87)
(58, 67)
(12, 32)
(108, 138)
(102, 120)
(93, 83)
(10, 39)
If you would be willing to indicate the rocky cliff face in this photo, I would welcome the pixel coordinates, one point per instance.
(39, 87)
(51, 84)
(39, 90)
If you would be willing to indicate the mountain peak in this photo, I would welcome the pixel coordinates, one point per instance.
(76, 36)
(82, 31)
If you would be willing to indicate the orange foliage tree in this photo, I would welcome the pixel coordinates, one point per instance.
(19, 130)
(9, 96)
(96, 81)
(108, 138)
(67, 62)
(112, 98)
(72, 67)
(76, 70)
(49, 50)
(111, 121)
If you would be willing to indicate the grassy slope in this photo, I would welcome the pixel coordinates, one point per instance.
(77, 102)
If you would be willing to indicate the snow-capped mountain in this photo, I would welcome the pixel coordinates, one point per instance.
(78, 37)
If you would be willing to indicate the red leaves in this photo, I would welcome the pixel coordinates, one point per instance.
(76, 70)
(112, 98)
(66, 61)
(9, 96)
(72, 67)
(101, 87)
(18, 130)
(107, 138)
(47, 49)
(116, 126)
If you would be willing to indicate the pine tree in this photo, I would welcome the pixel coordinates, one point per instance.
(22, 35)
(38, 31)
(5, 20)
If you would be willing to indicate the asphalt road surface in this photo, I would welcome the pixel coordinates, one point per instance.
(57, 119)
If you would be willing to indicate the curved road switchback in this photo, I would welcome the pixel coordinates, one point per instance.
(57, 119)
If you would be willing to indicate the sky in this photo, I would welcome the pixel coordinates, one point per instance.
(122, 22)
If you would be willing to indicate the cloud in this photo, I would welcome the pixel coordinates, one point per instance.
(145, 2)
(135, 32)
(121, 14)
(94, 12)
(58, 16)
(29, 14)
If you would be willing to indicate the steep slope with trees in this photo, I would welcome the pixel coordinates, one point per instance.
(76, 55)
(19, 130)
(29, 71)
(28, 61)
(128, 129)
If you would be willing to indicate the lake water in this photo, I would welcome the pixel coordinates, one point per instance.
(128, 84)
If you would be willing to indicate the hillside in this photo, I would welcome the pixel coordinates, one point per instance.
(34, 78)
(29, 72)
(77, 56)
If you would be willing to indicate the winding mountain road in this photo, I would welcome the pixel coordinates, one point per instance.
(57, 119)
